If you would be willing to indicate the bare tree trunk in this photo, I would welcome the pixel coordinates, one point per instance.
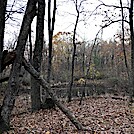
(73, 56)
(132, 45)
(37, 57)
(123, 44)
(3, 4)
(12, 89)
(51, 22)
(83, 60)
(46, 86)
(88, 68)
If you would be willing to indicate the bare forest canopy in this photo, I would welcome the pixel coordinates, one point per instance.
(102, 16)
(49, 45)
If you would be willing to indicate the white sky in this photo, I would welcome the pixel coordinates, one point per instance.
(65, 20)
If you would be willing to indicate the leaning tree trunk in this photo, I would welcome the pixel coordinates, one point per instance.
(9, 100)
(37, 57)
(46, 86)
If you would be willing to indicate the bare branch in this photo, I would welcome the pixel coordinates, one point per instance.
(103, 4)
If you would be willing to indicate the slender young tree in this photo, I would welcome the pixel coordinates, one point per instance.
(132, 44)
(123, 38)
(37, 57)
(77, 7)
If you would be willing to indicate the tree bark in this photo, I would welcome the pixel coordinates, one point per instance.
(3, 4)
(73, 55)
(37, 57)
(51, 22)
(46, 86)
(123, 38)
(132, 44)
(12, 89)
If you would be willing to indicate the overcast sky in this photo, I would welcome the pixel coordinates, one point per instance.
(93, 22)
(88, 26)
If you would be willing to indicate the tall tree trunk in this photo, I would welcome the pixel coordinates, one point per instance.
(51, 22)
(9, 99)
(88, 68)
(3, 4)
(132, 44)
(123, 43)
(73, 56)
(37, 57)
(83, 60)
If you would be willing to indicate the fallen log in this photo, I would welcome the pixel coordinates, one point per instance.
(45, 85)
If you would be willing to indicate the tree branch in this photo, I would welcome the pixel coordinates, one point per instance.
(46, 86)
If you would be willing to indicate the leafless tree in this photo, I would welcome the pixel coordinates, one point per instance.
(78, 9)
(37, 57)
(51, 22)
(132, 44)
(3, 4)
(123, 38)
(12, 89)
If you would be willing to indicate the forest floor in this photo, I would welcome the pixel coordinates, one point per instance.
(102, 114)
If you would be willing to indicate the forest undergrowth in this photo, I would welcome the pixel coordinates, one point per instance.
(102, 114)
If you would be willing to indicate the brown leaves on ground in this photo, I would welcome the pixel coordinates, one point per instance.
(103, 115)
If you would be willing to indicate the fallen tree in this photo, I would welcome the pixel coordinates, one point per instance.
(45, 85)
